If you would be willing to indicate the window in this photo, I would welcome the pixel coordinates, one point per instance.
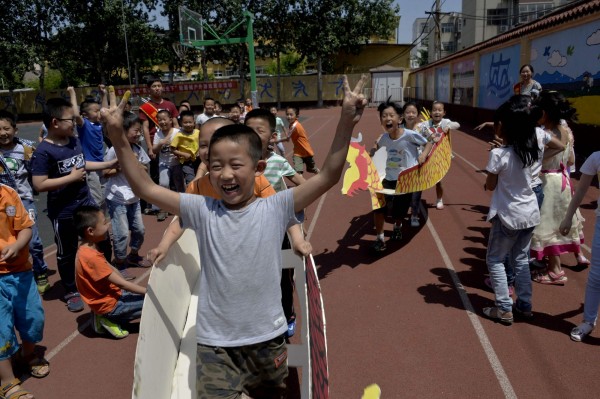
(447, 27)
(449, 47)
(498, 16)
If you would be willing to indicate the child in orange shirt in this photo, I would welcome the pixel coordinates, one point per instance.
(303, 152)
(21, 305)
(111, 298)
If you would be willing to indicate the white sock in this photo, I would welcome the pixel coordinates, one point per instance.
(381, 237)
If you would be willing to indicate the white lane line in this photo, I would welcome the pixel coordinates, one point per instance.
(314, 220)
(584, 246)
(63, 344)
(473, 318)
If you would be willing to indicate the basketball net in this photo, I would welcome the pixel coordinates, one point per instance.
(180, 50)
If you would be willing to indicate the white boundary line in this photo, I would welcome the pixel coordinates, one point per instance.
(473, 318)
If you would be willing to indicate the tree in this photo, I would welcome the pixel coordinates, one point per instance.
(423, 57)
(326, 27)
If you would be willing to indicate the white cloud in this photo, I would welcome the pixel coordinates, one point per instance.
(534, 54)
(557, 60)
(593, 39)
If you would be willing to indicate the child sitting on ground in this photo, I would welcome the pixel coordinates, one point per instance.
(402, 146)
(21, 304)
(123, 205)
(112, 299)
(185, 147)
(240, 329)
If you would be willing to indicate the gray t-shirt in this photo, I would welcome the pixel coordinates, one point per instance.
(239, 297)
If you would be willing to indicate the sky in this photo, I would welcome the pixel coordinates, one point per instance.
(413, 9)
(409, 11)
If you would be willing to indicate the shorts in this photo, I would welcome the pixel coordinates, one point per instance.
(258, 370)
(399, 203)
(20, 309)
(299, 163)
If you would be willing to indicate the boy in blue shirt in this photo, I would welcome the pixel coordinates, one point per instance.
(241, 348)
(17, 155)
(58, 167)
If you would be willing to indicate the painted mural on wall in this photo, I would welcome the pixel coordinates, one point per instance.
(442, 84)
(430, 86)
(569, 61)
(463, 81)
(498, 72)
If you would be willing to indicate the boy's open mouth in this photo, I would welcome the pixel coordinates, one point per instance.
(228, 188)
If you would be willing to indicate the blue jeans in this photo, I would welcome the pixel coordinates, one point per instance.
(123, 219)
(505, 242)
(36, 247)
(129, 307)
(20, 309)
(592, 289)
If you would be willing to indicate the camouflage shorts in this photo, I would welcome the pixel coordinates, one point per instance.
(258, 370)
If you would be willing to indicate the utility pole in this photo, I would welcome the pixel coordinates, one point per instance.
(437, 36)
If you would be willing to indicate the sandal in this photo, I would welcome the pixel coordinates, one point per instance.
(35, 365)
(19, 393)
(582, 260)
(551, 278)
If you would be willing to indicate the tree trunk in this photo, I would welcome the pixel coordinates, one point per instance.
(42, 79)
(278, 80)
(319, 82)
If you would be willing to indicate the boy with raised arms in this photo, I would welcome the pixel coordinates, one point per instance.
(241, 349)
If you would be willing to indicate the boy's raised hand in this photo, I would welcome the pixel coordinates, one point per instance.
(112, 116)
(354, 101)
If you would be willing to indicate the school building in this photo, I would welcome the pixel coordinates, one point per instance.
(564, 49)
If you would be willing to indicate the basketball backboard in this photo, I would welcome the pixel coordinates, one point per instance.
(190, 26)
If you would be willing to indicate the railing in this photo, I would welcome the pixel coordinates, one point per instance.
(379, 95)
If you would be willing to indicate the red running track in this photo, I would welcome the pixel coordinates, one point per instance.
(409, 320)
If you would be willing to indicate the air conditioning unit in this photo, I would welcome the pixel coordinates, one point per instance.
(502, 28)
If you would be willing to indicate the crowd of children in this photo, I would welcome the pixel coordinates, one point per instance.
(95, 196)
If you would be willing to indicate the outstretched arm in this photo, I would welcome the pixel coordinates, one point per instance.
(582, 187)
(352, 108)
(141, 183)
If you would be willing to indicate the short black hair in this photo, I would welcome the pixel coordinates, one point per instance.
(130, 119)
(85, 216)
(151, 81)
(389, 104)
(260, 113)
(163, 111)
(238, 134)
(8, 116)
(54, 109)
(295, 108)
(85, 105)
(185, 113)
(209, 99)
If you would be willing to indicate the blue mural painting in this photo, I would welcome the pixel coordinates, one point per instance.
(498, 72)
(569, 61)
(298, 88)
(265, 89)
(442, 84)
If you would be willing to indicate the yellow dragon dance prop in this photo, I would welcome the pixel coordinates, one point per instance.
(362, 174)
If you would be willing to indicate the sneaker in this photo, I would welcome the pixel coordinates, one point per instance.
(414, 221)
(41, 280)
(98, 329)
(291, 328)
(537, 264)
(150, 211)
(113, 328)
(74, 302)
(579, 332)
(397, 233)
(495, 313)
(378, 245)
(523, 314)
(439, 204)
(160, 216)
(314, 171)
(488, 282)
(135, 260)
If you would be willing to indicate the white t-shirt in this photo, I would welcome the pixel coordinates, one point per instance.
(402, 153)
(591, 166)
(202, 118)
(513, 200)
(543, 138)
(166, 157)
(239, 295)
(117, 188)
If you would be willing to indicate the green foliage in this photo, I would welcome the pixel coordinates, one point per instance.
(291, 64)
(52, 80)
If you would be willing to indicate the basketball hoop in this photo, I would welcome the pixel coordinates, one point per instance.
(180, 50)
